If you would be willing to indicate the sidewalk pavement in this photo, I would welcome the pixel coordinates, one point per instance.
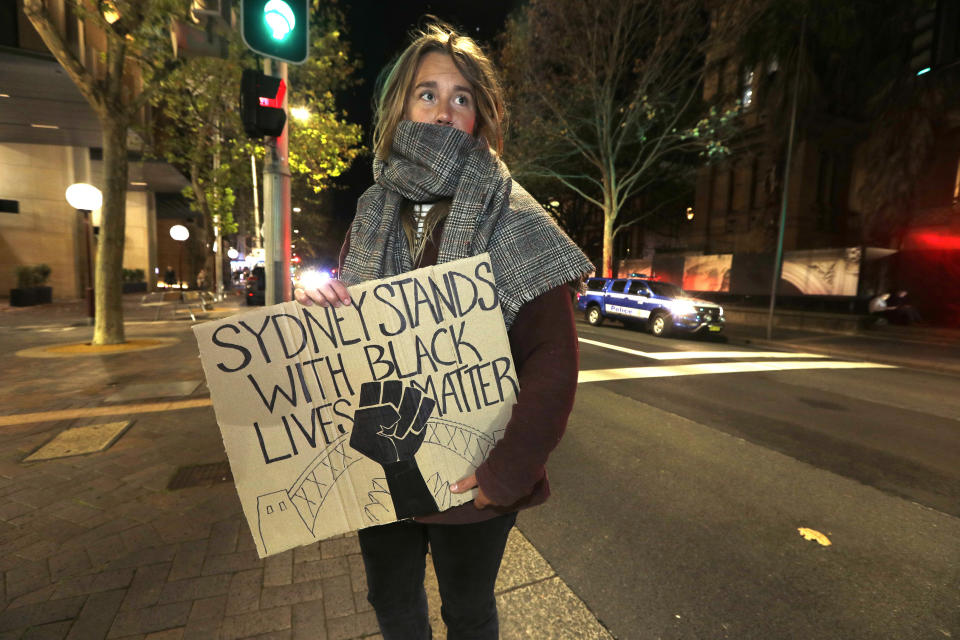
(100, 545)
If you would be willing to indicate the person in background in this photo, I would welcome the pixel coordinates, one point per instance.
(170, 277)
(442, 193)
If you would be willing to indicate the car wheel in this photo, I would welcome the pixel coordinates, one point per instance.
(660, 325)
(594, 317)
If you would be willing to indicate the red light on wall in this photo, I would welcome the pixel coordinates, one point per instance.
(932, 240)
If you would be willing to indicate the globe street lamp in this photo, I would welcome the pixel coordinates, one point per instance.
(85, 198)
(179, 233)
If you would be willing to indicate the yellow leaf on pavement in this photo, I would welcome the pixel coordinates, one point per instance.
(813, 534)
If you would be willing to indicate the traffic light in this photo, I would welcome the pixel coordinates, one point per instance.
(261, 104)
(277, 28)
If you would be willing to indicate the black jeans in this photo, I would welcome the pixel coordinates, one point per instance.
(466, 558)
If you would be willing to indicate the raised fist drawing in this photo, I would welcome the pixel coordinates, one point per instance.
(388, 427)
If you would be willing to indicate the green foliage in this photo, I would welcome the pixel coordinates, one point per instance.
(134, 275)
(323, 145)
(32, 275)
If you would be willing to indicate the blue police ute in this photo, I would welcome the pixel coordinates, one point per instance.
(660, 306)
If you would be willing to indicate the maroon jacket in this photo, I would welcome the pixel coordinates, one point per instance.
(543, 341)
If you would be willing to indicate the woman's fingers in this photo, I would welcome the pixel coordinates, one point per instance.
(330, 293)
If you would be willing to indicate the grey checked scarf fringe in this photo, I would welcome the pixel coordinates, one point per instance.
(491, 213)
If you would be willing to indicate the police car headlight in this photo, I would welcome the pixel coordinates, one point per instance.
(720, 313)
(684, 309)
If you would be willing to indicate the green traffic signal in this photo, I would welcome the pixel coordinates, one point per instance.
(279, 17)
(277, 28)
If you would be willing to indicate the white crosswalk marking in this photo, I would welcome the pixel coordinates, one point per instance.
(700, 368)
(781, 361)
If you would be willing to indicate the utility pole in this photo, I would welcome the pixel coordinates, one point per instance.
(276, 205)
(778, 259)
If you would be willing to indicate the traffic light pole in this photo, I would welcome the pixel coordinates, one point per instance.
(276, 206)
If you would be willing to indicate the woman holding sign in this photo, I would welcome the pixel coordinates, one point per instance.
(441, 193)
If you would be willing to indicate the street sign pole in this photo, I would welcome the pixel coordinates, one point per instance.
(276, 207)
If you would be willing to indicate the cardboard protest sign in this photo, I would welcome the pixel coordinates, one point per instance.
(339, 419)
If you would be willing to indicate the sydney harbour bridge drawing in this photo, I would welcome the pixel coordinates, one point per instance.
(288, 517)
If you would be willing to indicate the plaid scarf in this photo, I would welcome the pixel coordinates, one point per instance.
(490, 213)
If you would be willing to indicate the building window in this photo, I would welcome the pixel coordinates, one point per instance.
(9, 206)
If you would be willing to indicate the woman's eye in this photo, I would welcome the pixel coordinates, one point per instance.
(462, 100)
(426, 95)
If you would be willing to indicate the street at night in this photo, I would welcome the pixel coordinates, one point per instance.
(678, 499)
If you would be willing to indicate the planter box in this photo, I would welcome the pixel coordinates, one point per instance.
(31, 296)
(134, 287)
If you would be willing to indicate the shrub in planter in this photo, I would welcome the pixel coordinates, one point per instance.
(134, 281)
(31, 286)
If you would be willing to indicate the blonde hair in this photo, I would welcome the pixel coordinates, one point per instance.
(397, 80)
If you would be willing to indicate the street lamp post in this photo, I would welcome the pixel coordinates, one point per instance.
(85, 198)
(180, 233)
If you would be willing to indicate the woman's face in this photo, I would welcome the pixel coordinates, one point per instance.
(441, 95)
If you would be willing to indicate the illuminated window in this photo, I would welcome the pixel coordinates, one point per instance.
(956, 185)
(747, 96)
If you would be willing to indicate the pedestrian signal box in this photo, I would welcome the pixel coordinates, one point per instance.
(277, 29)
(261, 104)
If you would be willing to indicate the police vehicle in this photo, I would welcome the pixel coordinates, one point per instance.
(660, 306)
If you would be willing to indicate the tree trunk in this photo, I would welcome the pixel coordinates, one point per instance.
(609, 217)
(108, 293)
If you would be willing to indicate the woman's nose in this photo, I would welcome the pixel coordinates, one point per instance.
(443, 115)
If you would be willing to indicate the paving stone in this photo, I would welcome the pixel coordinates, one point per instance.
(353, 626)
(195, 588)
(337, 547)
(223, 537)
(33, 597)
(169, 634)
(102, 552)
(27, 577)
(80, 440)
(97, 615)
(251, 624)
(94, 583)
(42, 613)
(153, 390)
(309, 553)
(244, 595)
(147, 584)
(361, 603)
(285, 634)
(11, 510)
(309, 621)
(51, 631)
(177, 530)
(141, 537)
(231, 562)
(143, 557)
(68, 563)
(74, 511)
(338, 597)
(358, 574)
(39, 550)
(205, 629)
(206, 617)
(168, 616)
(188, 561)
(278, 569)
(291, 594)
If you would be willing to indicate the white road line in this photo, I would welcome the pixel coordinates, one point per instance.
(691, 355)
(700, 368)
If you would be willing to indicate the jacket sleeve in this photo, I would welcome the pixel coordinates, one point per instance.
(543, 340)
